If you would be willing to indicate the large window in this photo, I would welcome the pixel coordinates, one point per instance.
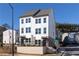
(44, 20)
(38, 31)
(22, 21)
(44, 30)
(22, 30)
(35, 41)
(28, 30)
(28, 20)
(28, 40)
(38, 20)
(38, 42)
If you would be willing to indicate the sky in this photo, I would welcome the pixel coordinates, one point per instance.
(64, 13)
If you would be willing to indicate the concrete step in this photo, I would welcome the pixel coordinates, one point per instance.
(51, 50)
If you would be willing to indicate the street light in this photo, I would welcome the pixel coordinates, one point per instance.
(12, 28)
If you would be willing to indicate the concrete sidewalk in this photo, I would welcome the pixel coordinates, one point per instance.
(6, 54)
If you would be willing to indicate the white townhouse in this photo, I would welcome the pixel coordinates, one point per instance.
(7, 36)
(37, 28)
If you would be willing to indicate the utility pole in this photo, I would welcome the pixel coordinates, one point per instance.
(12, 28)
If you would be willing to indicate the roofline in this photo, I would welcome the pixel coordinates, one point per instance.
(34, 16)
(24, 16)
(41, 15)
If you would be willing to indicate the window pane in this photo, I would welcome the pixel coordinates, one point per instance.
(39, 20)
(29, 29)
(36, 21)
(29, 20)
(26, 40)
(22, 30)
(26, 30)
(26, 20)
(39, 30)
(36, 32)
(35, 41)
(44, 30)
(22, 21)
(44, 20)
(39, 42)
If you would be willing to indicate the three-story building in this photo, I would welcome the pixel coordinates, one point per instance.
(37, 27)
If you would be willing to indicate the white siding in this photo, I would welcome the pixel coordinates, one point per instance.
(50, 26)
(33, 26)
(24, 25)
(7, 36)
(40, 25)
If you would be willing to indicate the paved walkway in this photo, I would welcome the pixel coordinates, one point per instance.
(6, 54)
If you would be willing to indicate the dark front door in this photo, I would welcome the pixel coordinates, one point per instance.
(44, 42)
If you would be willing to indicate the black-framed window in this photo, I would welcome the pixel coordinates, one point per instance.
(28, 20)
(39, 42)
(44, 20)
(26, 40)
(22, 30)
(38, 20)
(44, 30)
(38, 31)
(35, 41)
(22, 21)
(28, 29)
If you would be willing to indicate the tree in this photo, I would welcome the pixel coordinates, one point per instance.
(6, 26)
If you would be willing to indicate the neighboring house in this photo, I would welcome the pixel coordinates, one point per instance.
(37, 27)
(7, 36)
